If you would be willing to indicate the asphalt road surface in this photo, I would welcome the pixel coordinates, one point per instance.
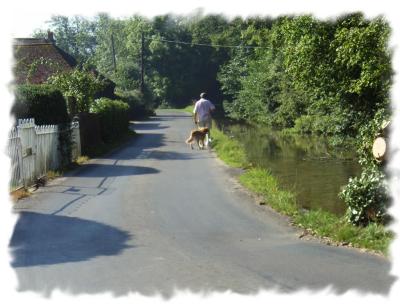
(155, 216)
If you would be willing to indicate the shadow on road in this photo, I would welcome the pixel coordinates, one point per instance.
(132, 149)
(149, 125)
(101, 170)
(41, 239)
(169, 117)
(171, 155)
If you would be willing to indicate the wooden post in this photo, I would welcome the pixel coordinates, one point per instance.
(142, 64)
(113, 52)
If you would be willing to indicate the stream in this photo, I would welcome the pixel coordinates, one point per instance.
(305, 165)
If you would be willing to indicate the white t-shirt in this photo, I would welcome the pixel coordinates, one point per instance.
(203, 107)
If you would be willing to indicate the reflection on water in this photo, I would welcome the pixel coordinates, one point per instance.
(306, 165)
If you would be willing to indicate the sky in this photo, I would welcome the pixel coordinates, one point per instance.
(21, 18)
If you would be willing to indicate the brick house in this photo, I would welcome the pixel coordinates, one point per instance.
(36, 59)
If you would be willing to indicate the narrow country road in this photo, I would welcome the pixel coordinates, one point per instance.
(156, 216)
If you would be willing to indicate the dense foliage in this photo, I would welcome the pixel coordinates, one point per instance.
(298, 72)
(367, 196)
(113, 115)
(179, 62)
(43, 102)
(328, 77)
(79, 88)
(138, 108)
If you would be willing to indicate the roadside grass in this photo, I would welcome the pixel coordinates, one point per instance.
(332, 229)
(82, 159)
(52, 174)
(264, 184)
(187, 109)
(229, 150)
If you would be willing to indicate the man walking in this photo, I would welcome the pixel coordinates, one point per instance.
(202, 113)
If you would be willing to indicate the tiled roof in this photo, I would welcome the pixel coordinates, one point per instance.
(30, 41)
(36, 59)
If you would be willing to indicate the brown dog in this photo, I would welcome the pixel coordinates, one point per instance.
(197, 136)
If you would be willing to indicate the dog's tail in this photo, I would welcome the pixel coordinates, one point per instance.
(189, 140)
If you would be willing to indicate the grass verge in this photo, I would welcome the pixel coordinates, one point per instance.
(228, 150)
(187, 109)
(330, 228)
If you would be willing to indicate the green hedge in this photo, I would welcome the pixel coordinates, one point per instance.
(113, 115)
(140, 105)
(43, 102)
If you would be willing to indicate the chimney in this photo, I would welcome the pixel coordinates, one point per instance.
(50, 37)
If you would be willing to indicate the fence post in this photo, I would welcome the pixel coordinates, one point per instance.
(36, 149)
(75, 138)
(14, 151)
(27, 134)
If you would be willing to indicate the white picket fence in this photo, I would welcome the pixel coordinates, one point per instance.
(34, 150)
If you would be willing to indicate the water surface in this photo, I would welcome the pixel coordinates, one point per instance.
(306, 165)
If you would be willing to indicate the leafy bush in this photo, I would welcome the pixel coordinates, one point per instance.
(367, 198)
(140, 105)
(113, 115)
(43, 102)
(259, 96)
(106, 89)
(318, 124)
(79, 87)
(291, 103)
(304, 124)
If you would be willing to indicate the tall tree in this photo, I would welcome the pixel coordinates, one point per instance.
(75, 35)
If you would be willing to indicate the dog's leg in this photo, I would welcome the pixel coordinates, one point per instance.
(189, 141)
(200, 143)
